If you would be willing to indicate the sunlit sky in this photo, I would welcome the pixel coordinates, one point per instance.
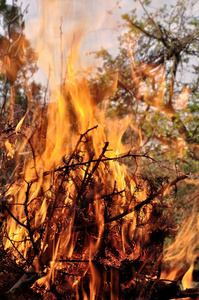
(90, 23)
(91, 16)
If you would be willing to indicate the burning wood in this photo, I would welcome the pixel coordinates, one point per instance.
(88, 225)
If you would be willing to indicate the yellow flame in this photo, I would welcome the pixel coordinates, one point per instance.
(187, 280)
(10, 149)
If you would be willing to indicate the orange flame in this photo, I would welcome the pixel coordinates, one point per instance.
(35, 204)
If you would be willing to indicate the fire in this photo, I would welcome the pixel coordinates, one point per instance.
(183, 253)
(74, 186)
(49, 199)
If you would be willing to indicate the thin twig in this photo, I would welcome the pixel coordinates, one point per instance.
(36, 250)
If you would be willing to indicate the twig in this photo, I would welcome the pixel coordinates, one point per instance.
(35, 248)
(26, 280)
(11, 214)
(16, 249)
(128, 154)
(157, 27)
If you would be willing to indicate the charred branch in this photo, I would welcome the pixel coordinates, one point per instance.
(163, 289)
(22, 284)
(138, 206)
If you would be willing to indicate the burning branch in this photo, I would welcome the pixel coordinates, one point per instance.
(90, 192)
(138, 206)
(83, 184)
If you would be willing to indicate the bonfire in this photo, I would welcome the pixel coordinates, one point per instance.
(81, 218)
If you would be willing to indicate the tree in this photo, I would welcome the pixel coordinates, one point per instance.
(18, 59)
(19, 93)
(158, 81)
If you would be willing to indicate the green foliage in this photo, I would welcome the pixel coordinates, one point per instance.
(158, 50)
(156, 62)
